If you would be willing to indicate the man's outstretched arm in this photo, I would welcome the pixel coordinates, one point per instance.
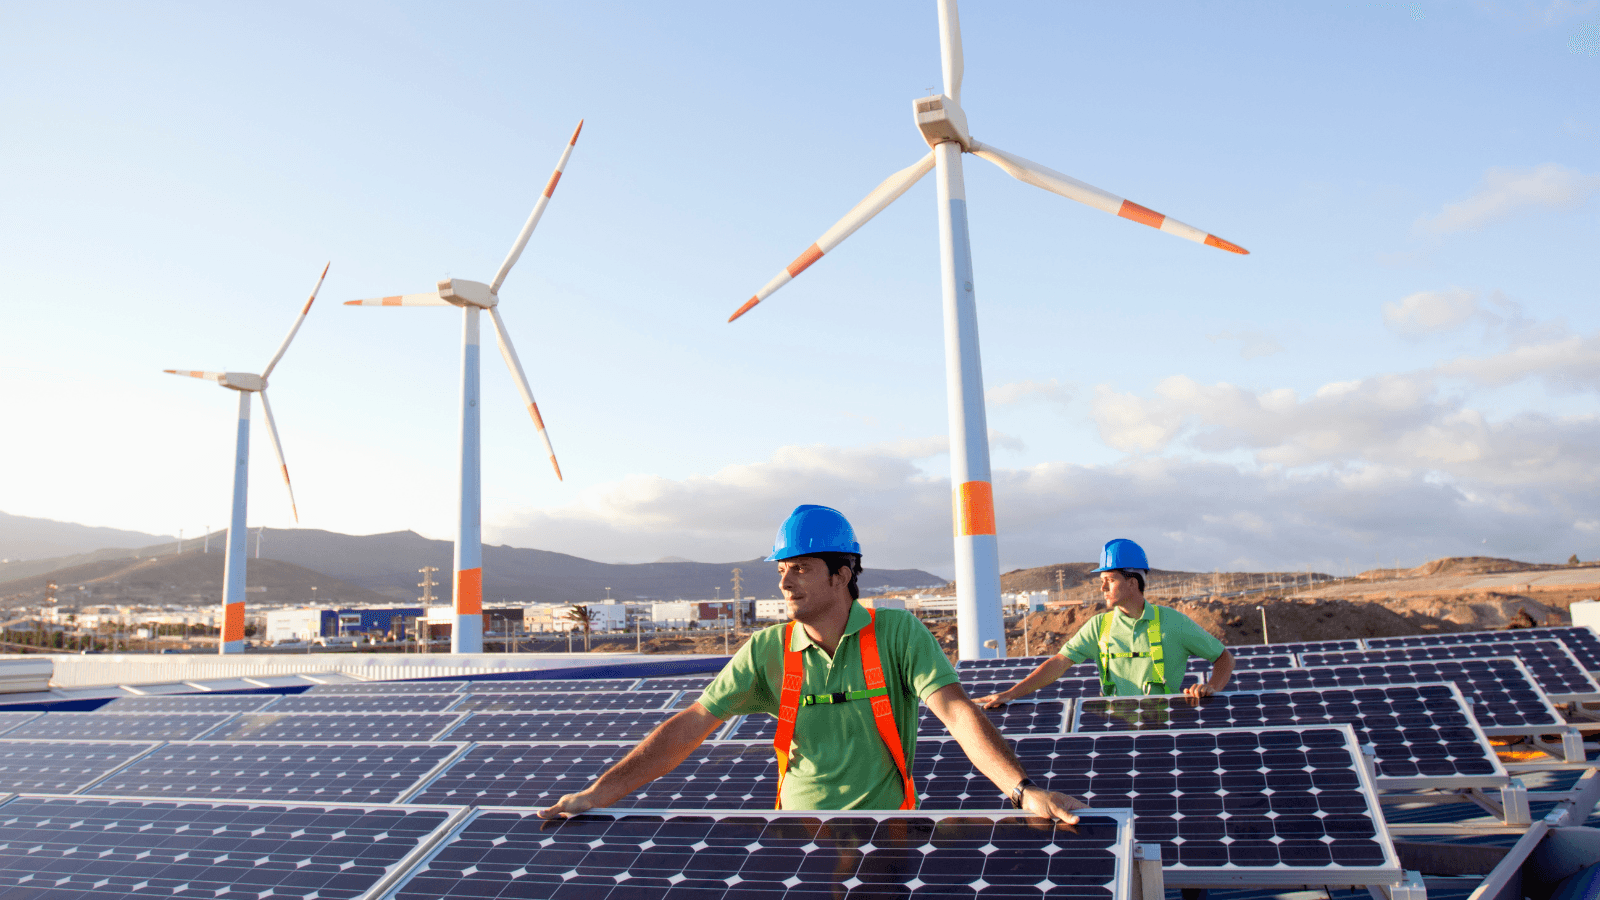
(1047, 673)
(992, 756)
(659, 753)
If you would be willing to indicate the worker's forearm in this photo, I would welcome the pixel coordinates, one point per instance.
(984, 745)
(1047, 672)
(668, 745)
(1221, 671)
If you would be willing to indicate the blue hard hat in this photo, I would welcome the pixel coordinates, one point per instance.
(1121, 553)
(813, 529)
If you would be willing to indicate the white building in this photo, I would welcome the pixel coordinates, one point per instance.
(772, 610)
(674, 613)
(293, 624)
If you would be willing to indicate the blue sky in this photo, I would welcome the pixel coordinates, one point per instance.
(1405, 367)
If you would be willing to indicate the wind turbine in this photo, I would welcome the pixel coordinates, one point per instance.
(473, 296)
(238, 539)
(943, 125)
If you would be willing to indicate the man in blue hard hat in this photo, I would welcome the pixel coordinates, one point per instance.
(844, 683)
(1139, 647)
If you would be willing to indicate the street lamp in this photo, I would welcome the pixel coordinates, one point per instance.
(1264, 638)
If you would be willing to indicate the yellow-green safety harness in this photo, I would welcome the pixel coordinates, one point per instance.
(1152, 635)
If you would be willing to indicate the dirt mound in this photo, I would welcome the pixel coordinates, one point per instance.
(1473, 565)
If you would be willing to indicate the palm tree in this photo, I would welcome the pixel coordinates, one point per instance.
(580, 614)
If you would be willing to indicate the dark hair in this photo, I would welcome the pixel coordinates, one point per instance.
(837, 561)
(1136, 575)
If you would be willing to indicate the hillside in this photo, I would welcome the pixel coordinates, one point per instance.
(25, 538)
(192, 579)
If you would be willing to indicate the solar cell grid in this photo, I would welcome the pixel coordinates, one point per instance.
(563, 702)
(1023, 717)
(61, 767)
(1582, 641)
(694, 683)
(1002, 662)
(1553, 666)
(1504, 697)
(388, 687)
(1284, 799)
(191, 703)
(366, 703)
(589, 725)
(217, 770)
(551, 685)
(334, 727)
(708, 856)
(10, 720)
(83, 847)
(90, 726)
(1423, 734)
(718, 776)
(1300, 647)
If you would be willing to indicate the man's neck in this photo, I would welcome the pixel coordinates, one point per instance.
(827, 630)
(1133, 609)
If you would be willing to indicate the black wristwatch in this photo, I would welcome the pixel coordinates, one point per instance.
(1019, 790)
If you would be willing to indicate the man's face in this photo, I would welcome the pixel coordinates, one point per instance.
(808, 588)
(1118, 588)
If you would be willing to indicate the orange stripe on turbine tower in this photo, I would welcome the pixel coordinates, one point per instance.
(974, 502)
(469, 592)
(233, 622)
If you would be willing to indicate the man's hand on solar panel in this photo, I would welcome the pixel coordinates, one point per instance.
(1047, 672)
(1221, 673)
(659, 753)
(992, 756)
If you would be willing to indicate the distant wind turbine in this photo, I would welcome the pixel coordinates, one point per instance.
(472, 296)
(238, 539)
(943, 125)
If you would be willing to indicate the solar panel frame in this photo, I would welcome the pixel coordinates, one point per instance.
(255, 781)
(258, 727)
(553, 686)
(547, 701)
(1011, 719)
(196, 703)
(582, 726)
(364, 704)
(1580, 639)
(1294, 647)
(168, 848)
(98, 727)
(471, 842)
(1391, 753)
(691, 683)
(1553, 666)
(117, 754)
(1002, 662)
(361, 688)
(10, 719)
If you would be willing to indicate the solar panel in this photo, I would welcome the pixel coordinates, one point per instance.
(190, 703)
(356, 773)
(1558, 673)
(366, 703)
(592, 725)
(10, 720)
(1264, 806)
(91, 726)
(334, 727)
(76, 847)
(1423, 734)
(726, 775)
(1002, 662)
(1062, 688)
(1582, 641)
(1022, 717)
(551, 685)
(713, 855)
(1505, 699)
(388, 687)
(1299, 647)
(60, 768)
(695, 683)
(561, 702)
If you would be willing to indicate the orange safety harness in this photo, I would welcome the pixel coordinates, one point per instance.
(790, 701)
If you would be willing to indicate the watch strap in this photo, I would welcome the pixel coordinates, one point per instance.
(1019, 790)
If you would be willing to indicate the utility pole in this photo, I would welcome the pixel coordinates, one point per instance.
(738, 597)
(427, 584)
(1061, 585)
(259, 529)
(180, 541)
(206, 545)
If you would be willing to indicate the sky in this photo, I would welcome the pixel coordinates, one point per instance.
(1405, 367)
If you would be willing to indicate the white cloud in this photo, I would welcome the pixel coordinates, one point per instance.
(1508, 192)
(1430, 312)
(1252, 344)
(1016, 392)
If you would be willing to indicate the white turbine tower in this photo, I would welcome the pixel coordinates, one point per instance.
(943, 125)
(472, 296)
(238, 539)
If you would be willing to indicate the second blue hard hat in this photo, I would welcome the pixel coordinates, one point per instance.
(1121, 553)
(813, 529)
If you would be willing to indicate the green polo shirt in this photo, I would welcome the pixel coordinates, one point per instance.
(838, 761)
(1181, 639)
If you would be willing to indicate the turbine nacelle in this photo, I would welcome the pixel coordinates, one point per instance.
(242, 381)
(463, 293)
(941, 120)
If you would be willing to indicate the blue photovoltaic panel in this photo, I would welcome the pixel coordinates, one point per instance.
(1285, 800)
(191, 703)
(366, 703)
(694, 683)
(572, 726)
(725, 775)
(561, 702)
(1423, 734)
(1003, 662)
(1300, 647)
(10, 720)
(619, 855)
(1552, 665)
(1063, 688)
(1505, 698)
(388, 687)
(333, 773)
(93, 848)
(94, 726)
(551, 685)
(60, 768)
(1582, 641)
(1024, 717)
(334, 727)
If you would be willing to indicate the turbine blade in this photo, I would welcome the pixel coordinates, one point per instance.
(875, 202)
(208, 376)
(950, 48)
(533, 218)
(1073, 189)
(292, 331)
(521, 378)
(429, 299)
(277, 447)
